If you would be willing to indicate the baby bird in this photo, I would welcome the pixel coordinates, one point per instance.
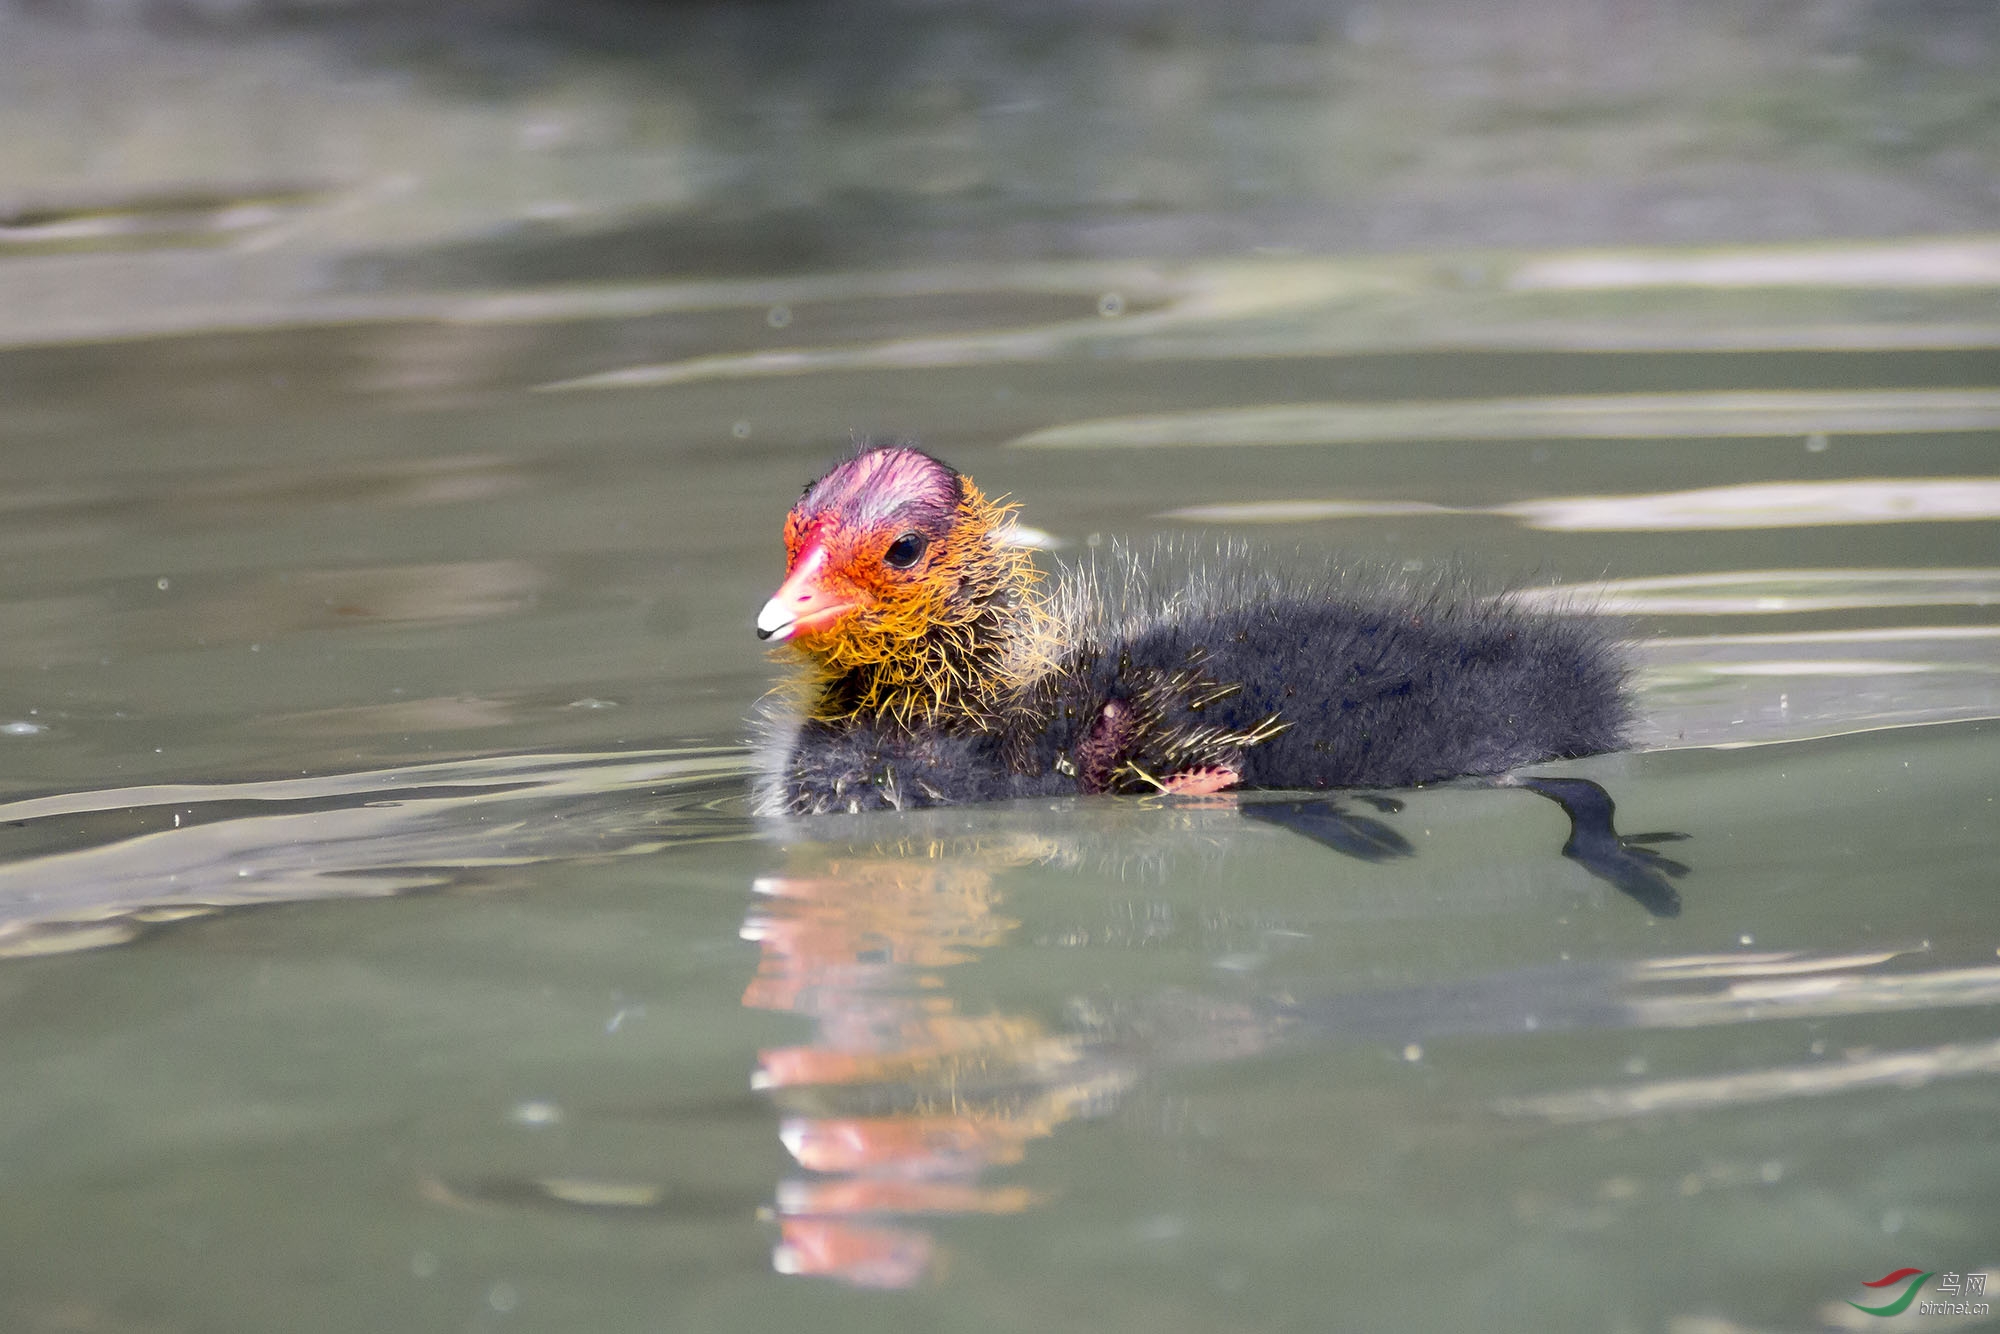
(939, 667)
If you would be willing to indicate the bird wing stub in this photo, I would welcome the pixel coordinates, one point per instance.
(1152, 738)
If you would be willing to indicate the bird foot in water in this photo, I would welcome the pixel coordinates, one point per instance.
(1621, 860)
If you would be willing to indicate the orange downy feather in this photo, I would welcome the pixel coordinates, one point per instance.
(951, 648)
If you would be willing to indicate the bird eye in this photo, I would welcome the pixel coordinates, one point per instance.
(905, 551)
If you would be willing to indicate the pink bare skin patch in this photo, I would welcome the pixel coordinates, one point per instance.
(1098, 756)
(1201, 782)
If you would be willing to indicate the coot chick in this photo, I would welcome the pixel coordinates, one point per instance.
(938, 666)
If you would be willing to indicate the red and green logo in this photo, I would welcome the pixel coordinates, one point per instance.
(1914, 1277)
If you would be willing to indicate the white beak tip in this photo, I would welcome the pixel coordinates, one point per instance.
(775, 622)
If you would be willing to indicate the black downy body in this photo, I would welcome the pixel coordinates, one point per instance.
(1181, 660)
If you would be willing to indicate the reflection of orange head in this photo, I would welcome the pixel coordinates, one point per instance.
(831, 927)
(868, 1257)
(900, 1103)
(899, 576)
(908, 1145)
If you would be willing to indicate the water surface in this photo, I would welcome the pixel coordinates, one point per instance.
(387, 944)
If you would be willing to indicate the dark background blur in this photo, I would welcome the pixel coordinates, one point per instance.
(164, 162)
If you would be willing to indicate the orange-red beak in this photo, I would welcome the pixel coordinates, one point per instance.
(807, 602)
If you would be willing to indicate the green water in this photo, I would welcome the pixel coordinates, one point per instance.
(384, 940)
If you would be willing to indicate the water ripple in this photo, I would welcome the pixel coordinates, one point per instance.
(1755, 505)
(1762, 592)
(1692, 415)
(98, 868)
(1903, 1069)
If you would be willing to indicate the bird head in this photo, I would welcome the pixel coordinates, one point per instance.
(898, 568)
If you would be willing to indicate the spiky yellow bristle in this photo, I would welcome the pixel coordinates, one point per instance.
(951, 649)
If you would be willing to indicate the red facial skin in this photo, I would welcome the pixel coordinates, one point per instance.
(900, 587)
(814, 593)
(840, 584)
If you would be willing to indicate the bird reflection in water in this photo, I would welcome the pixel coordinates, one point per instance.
(902, 1101)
